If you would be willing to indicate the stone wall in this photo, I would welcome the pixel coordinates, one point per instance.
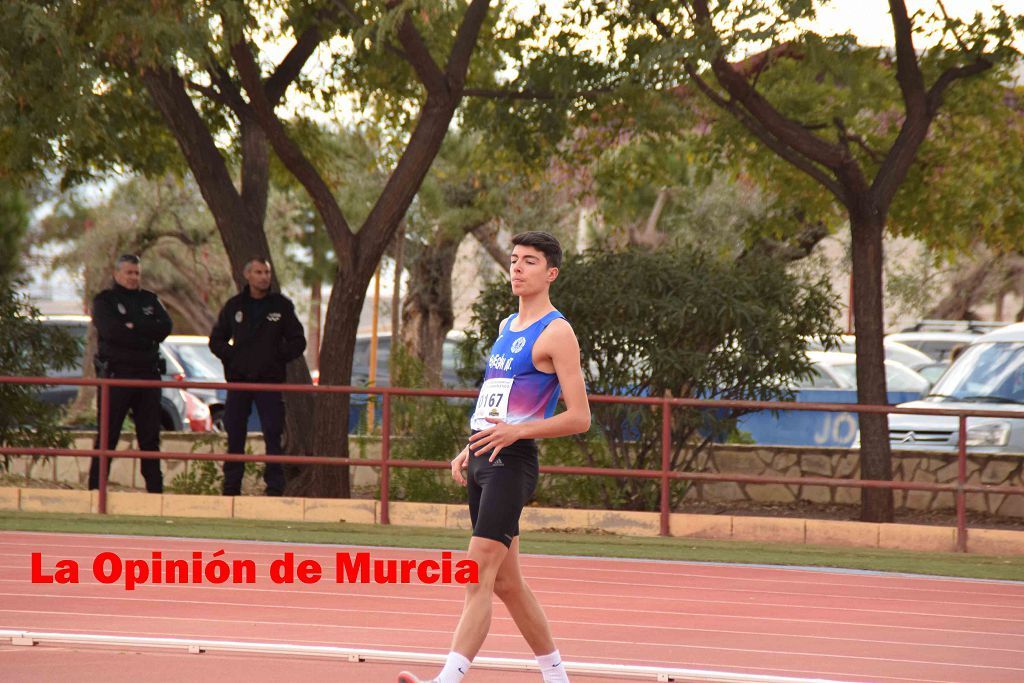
(74, 471)
(917, 466)
(1005, 470)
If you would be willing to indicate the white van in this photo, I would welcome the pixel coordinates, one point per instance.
(988, 375)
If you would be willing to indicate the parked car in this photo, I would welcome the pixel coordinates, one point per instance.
(988, 375)
(178, 410)
(193, 355)
(933, 371)
(901, 353)
(361, 361)
(833, 380)
(841, 368)
(937, 345)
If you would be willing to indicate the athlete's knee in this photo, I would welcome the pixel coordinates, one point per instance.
(508, 588)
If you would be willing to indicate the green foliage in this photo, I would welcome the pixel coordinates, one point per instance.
(205, 477)
(201, 477)
(13, 225)
(674, 323)
(424, 429)
(29, 349)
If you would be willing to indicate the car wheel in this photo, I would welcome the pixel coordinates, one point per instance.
(217, 416)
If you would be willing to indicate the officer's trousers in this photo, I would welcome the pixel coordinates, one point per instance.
(144, 405)
(270, 407)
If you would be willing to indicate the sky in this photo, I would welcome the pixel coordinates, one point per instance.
(869, 19)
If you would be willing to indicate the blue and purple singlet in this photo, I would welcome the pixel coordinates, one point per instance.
(514, 390)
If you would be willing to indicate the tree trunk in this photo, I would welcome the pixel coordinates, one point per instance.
(198, 317)
(315, 299)
(330, 411)
(239, 215)
(875, 455)
(427, 312)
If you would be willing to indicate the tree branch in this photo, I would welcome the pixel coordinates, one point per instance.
(847, 137)
(487, 235)
(291, 66)
(949, 27)
(908, 72)
(754, 126)
(228, 90)
(914, 131)
(347, 10)
(210, 92)
(786, 131)
(235, 222)
(289, 153)
(418, 55)
(426, 139)
(938, 89)
(465, 41)
(498, 94)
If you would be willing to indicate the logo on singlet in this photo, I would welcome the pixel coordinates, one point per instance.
(518, 344)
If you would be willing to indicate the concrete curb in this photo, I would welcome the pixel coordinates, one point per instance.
(916, 537)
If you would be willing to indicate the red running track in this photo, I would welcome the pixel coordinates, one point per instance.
(797, 622)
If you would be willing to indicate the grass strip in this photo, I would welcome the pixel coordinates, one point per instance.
(541, 543)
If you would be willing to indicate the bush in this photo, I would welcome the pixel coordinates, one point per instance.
(425, 428)
(29, 349)
(671, 323)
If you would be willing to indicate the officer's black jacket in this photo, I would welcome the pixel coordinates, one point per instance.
(260, 348)
(130, 351)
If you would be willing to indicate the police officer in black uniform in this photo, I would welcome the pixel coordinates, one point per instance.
(256, 335)
(131, 322)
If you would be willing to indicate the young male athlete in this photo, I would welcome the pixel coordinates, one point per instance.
(535, 358)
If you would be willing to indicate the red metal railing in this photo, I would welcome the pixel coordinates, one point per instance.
(960, 489)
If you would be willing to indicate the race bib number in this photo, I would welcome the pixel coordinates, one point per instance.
(492, 402)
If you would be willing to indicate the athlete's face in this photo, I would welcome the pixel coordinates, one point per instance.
(529, 271)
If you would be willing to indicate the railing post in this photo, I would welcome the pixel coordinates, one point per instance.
(385, 454)
(666, 444)
(961, 481)
(104, 429)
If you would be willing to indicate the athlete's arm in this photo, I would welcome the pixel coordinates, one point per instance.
(559, 346)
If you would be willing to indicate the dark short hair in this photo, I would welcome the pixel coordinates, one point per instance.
(543, 242)
(255, 259)
(127, 258)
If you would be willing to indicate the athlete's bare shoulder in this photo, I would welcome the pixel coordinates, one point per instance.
(557, 340)
(559, 329)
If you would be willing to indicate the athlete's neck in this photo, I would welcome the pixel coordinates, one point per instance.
(533, 308)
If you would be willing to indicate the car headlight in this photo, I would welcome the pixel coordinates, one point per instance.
(989, 434)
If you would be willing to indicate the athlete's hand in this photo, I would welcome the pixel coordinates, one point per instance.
(460, 463)
(494, 438)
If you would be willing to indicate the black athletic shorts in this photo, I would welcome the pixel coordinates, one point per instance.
(498, 490)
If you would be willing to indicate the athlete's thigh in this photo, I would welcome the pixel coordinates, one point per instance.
(501, 503)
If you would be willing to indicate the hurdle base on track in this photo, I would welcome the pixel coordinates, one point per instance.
(195, 646)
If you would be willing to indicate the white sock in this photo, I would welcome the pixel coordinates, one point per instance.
(552, 669)
(455, 667)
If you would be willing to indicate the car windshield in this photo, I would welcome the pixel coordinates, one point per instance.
(199, 361)
(992, 370)
(897, 377)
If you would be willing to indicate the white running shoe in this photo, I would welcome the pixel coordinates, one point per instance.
(406, 677)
